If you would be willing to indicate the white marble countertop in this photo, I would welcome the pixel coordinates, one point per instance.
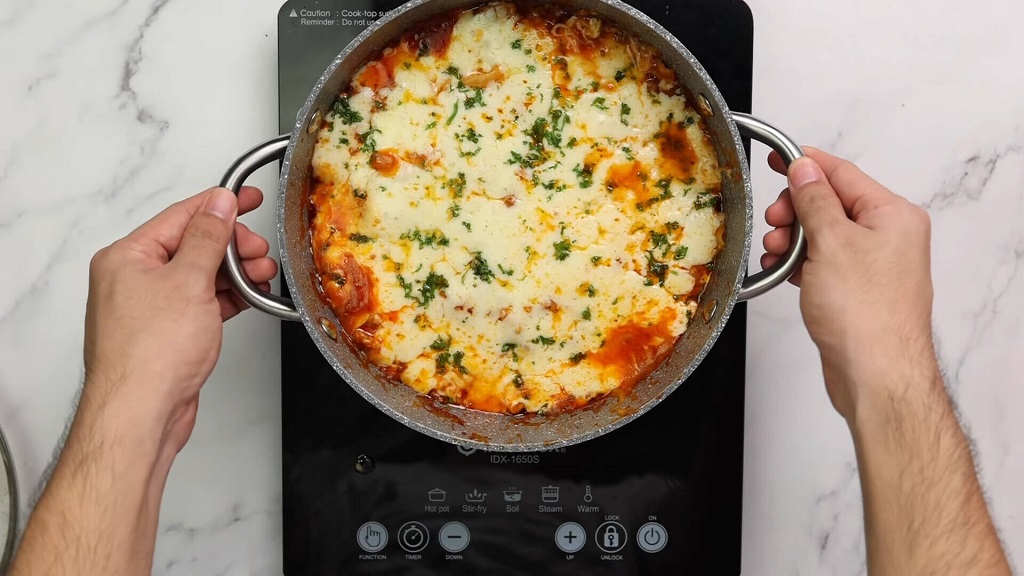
(112, 109)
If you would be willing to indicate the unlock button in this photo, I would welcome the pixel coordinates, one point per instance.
(610, 537)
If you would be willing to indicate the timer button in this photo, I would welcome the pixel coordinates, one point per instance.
(651, 537)
(413, 537)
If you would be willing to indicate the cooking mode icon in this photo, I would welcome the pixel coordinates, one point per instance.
(437, 495)
(549, 493)
(476, 496)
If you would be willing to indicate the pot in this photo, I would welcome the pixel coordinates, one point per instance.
(490, 431)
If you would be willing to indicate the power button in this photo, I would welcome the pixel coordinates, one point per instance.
(651, 537)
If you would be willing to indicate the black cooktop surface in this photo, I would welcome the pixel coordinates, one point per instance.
(363, 494)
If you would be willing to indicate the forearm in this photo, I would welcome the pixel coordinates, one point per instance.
(924, 512)
(99, 512)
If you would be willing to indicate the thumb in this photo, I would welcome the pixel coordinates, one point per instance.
(815, 202)
(206, 236)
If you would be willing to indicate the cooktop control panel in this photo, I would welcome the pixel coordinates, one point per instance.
(363, 494)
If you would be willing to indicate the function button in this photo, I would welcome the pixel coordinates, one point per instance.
(454, 537)
(651, 537)
(610, 537)
(372, 537)
(413, 537)
(570, 537)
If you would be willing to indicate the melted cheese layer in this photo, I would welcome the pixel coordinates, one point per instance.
(516, 217)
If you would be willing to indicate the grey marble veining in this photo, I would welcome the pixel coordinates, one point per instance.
(115, 108)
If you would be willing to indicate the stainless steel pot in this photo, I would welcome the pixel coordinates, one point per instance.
(730, 282)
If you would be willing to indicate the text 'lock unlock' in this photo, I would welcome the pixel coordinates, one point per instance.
(610, 537)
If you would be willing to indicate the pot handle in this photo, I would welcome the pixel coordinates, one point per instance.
(236, 175)
(763, 281)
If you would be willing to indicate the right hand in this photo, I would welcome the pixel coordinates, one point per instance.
(865, 287)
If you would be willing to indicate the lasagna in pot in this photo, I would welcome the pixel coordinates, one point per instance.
(515, 209)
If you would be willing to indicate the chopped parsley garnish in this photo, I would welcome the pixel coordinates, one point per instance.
(432, 125)
(359, 193)
(585, 176)
(345, 112)
(469, 227)
(506, 272)
(595, 260)
(544, 340)
(369, 143)
(428, 291)
(458, 184)
(453, 211)
(562, 249)
(434, 283)
(453, 71)
(517, 44)
(432, 238)
(706, 200)
(659, 240)
(531, 68)
(476, 100)
(577, 357)
(471, 135)
(586, 313)
(531, 160)
(510, 347)
(656, 269)
(480, 268)
(620, 75)
(629, 153)
(680, 253)
(457, 361)
(624, 111)
(360, 238)
(591, 291)
(455, 110)
(441, 362)
(600, 103)
(517, 380)
(423, 51)
(441, 344)
(571, 143)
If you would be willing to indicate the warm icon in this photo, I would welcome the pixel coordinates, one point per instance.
(476, 496)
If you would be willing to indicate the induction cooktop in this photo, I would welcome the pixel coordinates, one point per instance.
(363, 494)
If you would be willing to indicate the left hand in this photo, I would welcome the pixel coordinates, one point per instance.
(157, 301)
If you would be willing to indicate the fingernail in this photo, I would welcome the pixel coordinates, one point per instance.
(803, 172)
(221, 203)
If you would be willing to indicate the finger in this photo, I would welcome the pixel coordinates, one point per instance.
(162, 233)
(205, 238)
(858, 192)
(769, 259)
(249, 199)
(777, 241)
(258, 271)
(780, 213)
(816, 204)
(250, 244)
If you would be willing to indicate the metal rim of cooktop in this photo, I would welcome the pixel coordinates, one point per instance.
(12, 499)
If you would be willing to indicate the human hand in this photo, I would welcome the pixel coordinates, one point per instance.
(865, 287)
(157, 301)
